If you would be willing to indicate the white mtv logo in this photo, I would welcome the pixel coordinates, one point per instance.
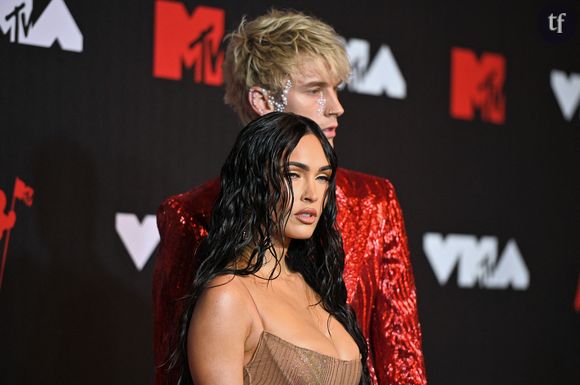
(477, 261)
(139, 238)
(567, 91)
(382, 76)
(55, 24)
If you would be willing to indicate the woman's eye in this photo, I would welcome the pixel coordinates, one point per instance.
(325, 178)
(314, 91)
(293, 175)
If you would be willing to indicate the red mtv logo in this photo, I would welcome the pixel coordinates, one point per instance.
(188, 41)
(23, 193)
(477, 84)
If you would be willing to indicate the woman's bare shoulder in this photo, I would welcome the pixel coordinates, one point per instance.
(225, 293)
(218, 331)
(222, 313)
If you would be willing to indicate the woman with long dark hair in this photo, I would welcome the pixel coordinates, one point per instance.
(268, 304)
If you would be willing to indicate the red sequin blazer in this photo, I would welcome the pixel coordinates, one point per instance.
(377, 273)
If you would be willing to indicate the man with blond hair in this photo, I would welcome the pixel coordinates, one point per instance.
(287, 61)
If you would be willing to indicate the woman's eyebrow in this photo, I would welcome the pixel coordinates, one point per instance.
(299, 165)
(305, 167)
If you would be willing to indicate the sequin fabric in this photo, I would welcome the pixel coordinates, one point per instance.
(378, 273)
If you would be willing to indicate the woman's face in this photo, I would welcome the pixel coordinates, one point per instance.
(309, 172)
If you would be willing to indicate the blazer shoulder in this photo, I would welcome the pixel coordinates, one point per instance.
(354, 183)
(191, 204)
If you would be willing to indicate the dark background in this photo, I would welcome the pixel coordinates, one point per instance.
(95, 134)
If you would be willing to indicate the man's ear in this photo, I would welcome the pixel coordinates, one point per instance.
(258, 99)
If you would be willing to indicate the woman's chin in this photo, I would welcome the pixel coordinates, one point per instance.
(303, 235)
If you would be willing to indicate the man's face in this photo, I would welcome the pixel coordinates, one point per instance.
(314, 94)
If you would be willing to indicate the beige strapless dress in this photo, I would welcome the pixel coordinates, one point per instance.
(279, 362)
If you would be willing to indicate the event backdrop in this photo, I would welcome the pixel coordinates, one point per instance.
(471, 109)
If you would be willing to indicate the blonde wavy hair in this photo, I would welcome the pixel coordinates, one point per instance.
(267, 50)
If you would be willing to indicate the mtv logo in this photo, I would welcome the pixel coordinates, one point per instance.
(55, 24)
(477, 83)
(476, 260)
(190, 41)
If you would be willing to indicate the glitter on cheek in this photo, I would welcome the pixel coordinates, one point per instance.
(280, 102)
(321, 104)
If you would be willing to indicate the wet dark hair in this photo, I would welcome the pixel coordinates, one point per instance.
(255, 186)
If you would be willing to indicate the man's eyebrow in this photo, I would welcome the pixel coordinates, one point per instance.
(305, 167)
(313, 83)
(320, 83)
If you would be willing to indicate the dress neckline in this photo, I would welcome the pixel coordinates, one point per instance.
(266, 334)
